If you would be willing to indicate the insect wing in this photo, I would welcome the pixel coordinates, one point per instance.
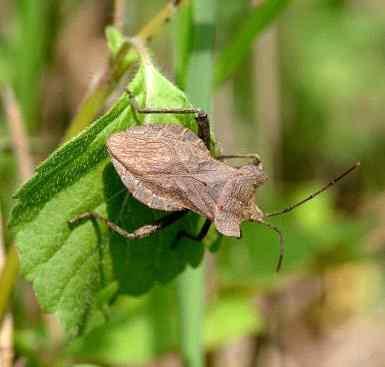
(157, 163)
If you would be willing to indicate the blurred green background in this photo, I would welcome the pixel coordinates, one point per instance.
(309, 97)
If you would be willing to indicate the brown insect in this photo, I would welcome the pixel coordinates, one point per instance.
(168, 167)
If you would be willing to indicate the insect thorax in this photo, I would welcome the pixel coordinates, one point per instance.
(253, 173)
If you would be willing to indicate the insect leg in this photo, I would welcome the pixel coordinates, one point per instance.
(199, 237)
(203, 123)
(135, 106)
(201, 116)
(254, 156)
(202, 233)
(141, 232)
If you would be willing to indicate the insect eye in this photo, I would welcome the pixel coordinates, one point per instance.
(257, 160)
(258, 164)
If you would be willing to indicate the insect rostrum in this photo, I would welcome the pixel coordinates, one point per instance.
(168, 167)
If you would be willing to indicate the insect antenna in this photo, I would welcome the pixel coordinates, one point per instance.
(281, 243)
(314, 194)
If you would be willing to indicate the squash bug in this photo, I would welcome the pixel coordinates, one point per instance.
(168, 167)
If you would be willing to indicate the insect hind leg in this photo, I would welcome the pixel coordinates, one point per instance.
(141, 232)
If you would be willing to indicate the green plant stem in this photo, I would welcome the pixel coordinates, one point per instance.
(199, 83)
(190, 288)
(256, 22)
(183, 44)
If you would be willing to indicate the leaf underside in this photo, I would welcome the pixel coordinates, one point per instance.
(71, 268)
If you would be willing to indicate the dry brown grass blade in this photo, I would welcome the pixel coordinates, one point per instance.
(119, 13)
(18, 134)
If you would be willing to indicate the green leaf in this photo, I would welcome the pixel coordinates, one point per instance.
(253, 25)
(115, 41)
(69, 268)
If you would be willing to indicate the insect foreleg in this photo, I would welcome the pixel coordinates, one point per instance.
(141, 232)
(203, 122)
(254, 156)
(203, 232)
(135, 106)
(201, 116)
(199, 237)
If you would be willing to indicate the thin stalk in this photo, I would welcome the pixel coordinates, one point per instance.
(114, 72)
(119, 14)
(199, 83)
